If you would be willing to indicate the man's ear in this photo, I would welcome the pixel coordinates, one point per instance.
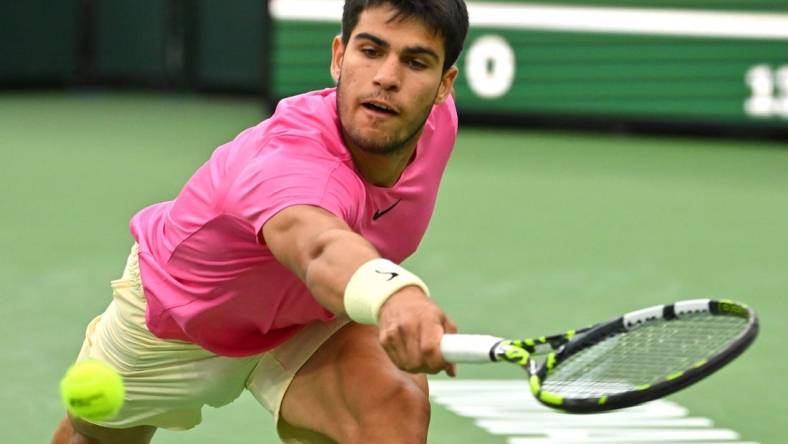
(447, 85)
(337, 52)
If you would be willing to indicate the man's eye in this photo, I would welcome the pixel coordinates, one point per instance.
(369, 52)
(415, 64)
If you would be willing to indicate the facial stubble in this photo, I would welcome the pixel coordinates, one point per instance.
(389, 146)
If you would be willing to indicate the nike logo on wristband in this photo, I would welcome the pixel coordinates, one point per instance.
(378, 214)
(393, 274)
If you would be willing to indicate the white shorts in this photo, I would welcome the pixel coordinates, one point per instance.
(169, 381)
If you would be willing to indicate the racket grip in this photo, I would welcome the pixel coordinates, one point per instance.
(459, 348)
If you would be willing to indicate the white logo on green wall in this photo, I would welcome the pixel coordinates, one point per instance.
(490, 66)
(768, 91)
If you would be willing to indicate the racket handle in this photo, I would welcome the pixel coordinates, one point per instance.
(459, 348)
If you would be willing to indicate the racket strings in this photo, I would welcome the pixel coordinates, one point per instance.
(643, 356)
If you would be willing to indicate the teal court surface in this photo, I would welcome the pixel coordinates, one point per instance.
(535, 232)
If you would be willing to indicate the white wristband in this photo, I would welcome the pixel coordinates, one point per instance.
(372, 284)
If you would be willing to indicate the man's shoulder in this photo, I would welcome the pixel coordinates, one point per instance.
(309, 118)
(303, 135)
(441, 127)
(315, 104)
(444, 114)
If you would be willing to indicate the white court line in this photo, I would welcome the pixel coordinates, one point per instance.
(539, 413)
(506, 408)
(524, 424)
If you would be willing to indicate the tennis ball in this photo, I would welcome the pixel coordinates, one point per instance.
(92, 390)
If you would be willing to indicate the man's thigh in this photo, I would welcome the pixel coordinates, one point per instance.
(350, 391)
(167, 382)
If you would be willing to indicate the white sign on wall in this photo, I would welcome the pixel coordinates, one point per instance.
(768, 92)
(490, 66)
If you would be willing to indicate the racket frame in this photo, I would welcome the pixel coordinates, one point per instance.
(574, 343)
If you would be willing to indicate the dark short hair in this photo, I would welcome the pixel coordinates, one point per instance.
(447, 18)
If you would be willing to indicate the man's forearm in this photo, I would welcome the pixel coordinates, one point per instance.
(333, 259)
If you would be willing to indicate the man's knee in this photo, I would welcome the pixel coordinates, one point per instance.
(350, 391)
(396, 410)
(404, 396)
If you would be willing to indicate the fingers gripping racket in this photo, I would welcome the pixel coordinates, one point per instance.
(638, 357)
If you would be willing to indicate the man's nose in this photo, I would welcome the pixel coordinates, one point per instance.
(388, 75)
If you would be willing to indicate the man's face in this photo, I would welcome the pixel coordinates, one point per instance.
(388, 78)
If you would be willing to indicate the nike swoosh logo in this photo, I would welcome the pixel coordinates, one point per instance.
(391, 273)
(378, 214)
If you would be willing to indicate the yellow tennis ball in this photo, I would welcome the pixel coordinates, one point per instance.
(92, 390)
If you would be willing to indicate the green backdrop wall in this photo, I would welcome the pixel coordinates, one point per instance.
(39, 41)
(701, 61)
(162, 43)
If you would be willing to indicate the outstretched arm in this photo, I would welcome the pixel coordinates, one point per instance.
(325, 253)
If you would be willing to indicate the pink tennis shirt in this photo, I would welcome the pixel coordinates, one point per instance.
(207, 276)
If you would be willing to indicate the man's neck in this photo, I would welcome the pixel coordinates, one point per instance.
(382, 170)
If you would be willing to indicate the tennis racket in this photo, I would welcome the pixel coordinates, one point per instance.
(638, 357)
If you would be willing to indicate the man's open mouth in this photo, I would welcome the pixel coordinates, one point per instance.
(379, 107)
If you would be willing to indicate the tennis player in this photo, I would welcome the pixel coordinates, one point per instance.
(275, 269)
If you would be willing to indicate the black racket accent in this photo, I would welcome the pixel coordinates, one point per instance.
(669, 312)
(493, 357)
(559, 340)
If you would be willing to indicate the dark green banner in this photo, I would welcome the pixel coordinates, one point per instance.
(709, 62)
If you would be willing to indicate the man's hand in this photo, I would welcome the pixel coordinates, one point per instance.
(411, 326)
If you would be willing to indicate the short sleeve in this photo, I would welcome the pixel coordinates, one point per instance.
(294, 175)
